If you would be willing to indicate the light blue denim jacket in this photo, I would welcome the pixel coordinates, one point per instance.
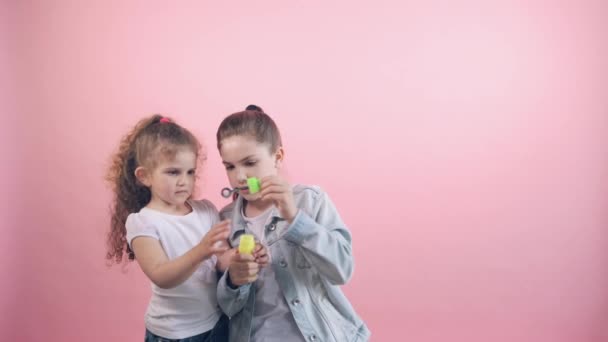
(314, 257)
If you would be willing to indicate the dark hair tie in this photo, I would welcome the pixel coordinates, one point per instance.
(254, 107)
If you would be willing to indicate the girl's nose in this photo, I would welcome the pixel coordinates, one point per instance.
(241, 177)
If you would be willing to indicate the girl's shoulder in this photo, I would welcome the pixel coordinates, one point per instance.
(203, 206)
(309, 196)
(138, 219)
(307, 190)
(226, 211)
(201, 203)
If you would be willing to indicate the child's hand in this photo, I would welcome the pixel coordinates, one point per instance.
(261, 255)
(223, 259)
(243, 269)
(279, 191)
(214, 242)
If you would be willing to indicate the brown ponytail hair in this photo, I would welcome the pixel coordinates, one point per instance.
(253, 122)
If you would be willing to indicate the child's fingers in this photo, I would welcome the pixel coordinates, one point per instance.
(273, 189)
(216, 245)
(221, 225)
(262, 261)
(220, 228)
(275, 197)
(258, 247)
(271, 181)
(219, 248)
(260, 254)
(259, 251)
(217, 235)
(243, 272)
(252, 269)
(274, 184)
(246, 269)
(242, 258)
(231, 250)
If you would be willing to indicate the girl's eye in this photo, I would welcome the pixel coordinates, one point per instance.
(173, 172)
(229, 167)
(191, 172)
(250, 163)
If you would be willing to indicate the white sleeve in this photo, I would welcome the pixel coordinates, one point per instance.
(138, 226)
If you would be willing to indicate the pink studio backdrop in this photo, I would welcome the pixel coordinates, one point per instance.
(464, 142)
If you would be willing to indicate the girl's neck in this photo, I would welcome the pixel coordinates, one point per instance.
(169, 208)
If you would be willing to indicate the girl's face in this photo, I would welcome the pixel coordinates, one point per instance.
(171, 182)
(244, 157)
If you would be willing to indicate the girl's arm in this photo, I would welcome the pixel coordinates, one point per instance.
(234, 286)
(325, 240)
(166, 273)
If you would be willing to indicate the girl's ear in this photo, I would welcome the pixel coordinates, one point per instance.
(279, 155)
(142, 176)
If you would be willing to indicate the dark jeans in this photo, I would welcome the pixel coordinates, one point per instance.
(219, 333)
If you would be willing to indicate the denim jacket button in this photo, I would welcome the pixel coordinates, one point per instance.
(312, 337)
(283, 263)
(295, 302)
(272, 227)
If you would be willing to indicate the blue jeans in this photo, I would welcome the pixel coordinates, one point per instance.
(219, 333)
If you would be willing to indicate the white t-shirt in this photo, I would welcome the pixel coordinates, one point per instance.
(190, 308)
(272, 319)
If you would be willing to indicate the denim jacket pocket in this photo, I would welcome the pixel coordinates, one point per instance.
(300, 259)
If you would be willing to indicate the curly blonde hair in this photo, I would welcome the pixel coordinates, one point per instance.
(151, 138)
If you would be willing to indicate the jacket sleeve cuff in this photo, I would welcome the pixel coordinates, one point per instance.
(300, 228)
(240, 292)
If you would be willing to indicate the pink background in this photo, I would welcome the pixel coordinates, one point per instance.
(464, 142)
